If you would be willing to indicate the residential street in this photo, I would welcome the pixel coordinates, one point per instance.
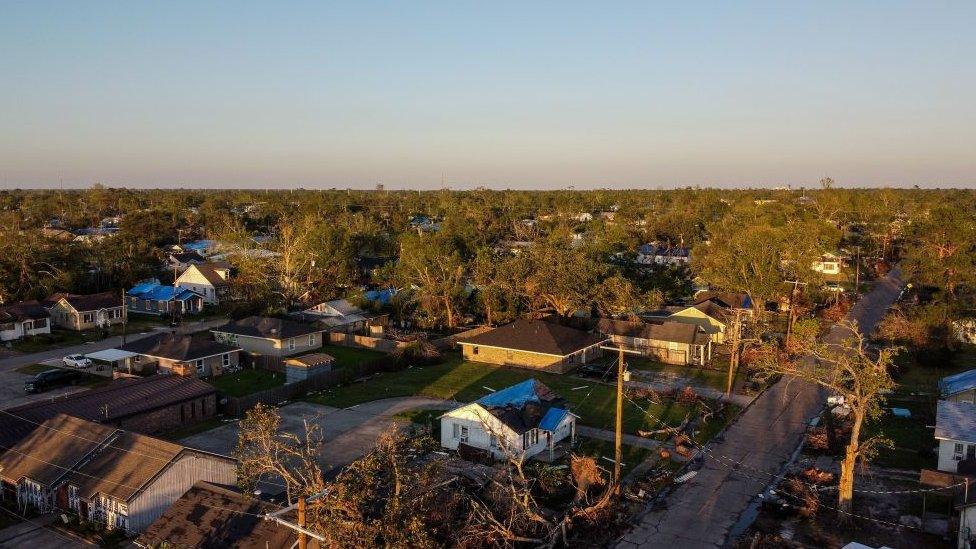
(738, 466)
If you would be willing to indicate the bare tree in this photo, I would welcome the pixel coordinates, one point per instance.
(847, 369)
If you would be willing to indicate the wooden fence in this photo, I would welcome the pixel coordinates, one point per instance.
(365, 342)
(237, 406)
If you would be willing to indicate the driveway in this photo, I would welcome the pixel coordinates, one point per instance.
(708, 509)
(12, 390)
(348, 433)
(35, 535)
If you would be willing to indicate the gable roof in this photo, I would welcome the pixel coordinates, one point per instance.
(52, 449)
(154, 291)
(90, 302)
(24, 310)
(729, 300)
(122, 468)
(536, 336)
(267, 328)
(955, 421)
(958, 383)
(191, 256)
(209, 271)
(713, 309)
(179, 347)
(678, 332)
(119, 399)
(524, 406)
(212, 517)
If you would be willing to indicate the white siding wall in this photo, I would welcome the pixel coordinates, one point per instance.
(169, 486)
(947, 454)
(481, 425)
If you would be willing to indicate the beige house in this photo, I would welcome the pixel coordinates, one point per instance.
(86, 312)
(183, 355)
(534, 344)
(210, 280)
(668, 342)
(270, 336)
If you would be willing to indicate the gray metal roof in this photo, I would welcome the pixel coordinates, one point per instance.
(955, 421)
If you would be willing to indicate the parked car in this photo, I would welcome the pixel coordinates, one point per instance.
(77, 361)
(599, 370)
(51, 379)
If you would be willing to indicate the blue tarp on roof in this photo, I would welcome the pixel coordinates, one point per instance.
(958, 383)
(516, 395)
(383, 296)
(552, 419)
(199, 245)
(153, 291)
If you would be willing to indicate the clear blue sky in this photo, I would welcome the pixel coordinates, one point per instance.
(520, 95)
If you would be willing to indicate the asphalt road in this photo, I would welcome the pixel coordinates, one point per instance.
(703, 511)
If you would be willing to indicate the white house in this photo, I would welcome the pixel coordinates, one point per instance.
(207, 279)
(26, 318)
(655, 253)
(827, 264)
(522, 420)
(959, 387)
(955, 429)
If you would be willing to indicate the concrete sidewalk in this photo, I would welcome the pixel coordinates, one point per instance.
(704, 511)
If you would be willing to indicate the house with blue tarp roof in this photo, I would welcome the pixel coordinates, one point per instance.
(152, 298)
(959, 387)
(523, 420)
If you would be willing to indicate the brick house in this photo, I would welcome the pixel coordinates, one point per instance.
(534, 344)
(270, 336)
(149, 405)
(183, 355)
(86, 312)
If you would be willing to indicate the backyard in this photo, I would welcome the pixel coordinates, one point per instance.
(463, 381)
(349, 356)
(715, 376)
(247, 381)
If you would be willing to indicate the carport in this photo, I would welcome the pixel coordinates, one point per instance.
(115, 359)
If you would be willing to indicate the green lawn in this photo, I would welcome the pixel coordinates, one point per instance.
(349, 356)
(425, 418)
(714, 376)
(53, 340)
(34, 369)
(246, 382)
(468, 381)
(597, 448)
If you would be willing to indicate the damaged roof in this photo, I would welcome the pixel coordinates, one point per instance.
(526, 405)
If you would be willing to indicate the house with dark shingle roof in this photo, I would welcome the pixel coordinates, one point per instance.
(214, 517)
(23, 319)
(522, 420)
(534, 344)
(86, 312)
(270, 336)
(210, 279)
(147, 405)
(183, 354)
(665, 341)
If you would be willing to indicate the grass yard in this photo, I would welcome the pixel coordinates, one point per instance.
(246, 382)
(467, 381)
(425, 418)
(597, 448)
(34, 369)
(349, 356)
(714, 377)
(53, 340)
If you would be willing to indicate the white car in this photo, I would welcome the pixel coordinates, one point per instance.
(77, 361)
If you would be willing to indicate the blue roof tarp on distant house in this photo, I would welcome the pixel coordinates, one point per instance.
(958, 383)
(199, 245)
(553, 418)
(154, 291)
(517, 395)
(382, 296)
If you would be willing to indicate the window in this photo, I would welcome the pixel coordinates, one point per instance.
(88, 318)
(291, 344)
(40, 323)
(474, 350)
(957, 451)
(225, 359)
(461, 433)
(200, 368)
(311, 340)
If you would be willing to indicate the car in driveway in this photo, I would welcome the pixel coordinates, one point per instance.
(604, 371)
(77, 361)
(51, 379)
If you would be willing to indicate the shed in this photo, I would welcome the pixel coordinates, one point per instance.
(303, 367)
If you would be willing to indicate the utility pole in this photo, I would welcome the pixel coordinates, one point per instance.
(618, 431)
(734, 355)
(792, 316)
(857, 272)
(302, 538)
